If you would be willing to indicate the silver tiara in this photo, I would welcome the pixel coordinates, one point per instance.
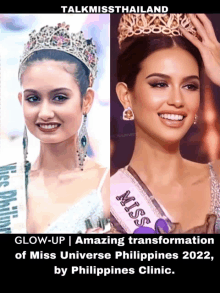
(59, 38)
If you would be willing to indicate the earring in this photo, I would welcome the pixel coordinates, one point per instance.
(195, 119)
(25, 144)
(128, 114)
(83, 142)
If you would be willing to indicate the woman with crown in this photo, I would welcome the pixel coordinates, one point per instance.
(159, 72)
(64, 190)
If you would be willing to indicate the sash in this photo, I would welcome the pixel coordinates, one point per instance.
(133, 205)
(13, 191)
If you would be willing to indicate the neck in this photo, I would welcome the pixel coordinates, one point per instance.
(57, 157)
(156, 161)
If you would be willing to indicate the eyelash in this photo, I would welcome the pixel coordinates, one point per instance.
(158, 84)
(162, 84)
(193, 87)
(35, 101)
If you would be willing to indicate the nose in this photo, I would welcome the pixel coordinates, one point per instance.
(176, 98)
(46, 112)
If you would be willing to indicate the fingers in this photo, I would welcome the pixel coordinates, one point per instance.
(205, 29)
(194, 40)
(102, 226)
(201, 29)
(208, 26)
(94, 230)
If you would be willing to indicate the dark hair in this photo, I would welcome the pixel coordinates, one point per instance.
(81, 72)
(135, 49)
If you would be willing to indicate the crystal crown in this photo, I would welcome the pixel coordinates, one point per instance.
(59, 38)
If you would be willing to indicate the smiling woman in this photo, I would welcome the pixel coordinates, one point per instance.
(164, 88)
(55, 100)
(67, 192)
(159, 73)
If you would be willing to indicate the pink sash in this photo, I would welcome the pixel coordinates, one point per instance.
(133, 205)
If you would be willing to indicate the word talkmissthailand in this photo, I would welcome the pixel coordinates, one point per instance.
(114, 9)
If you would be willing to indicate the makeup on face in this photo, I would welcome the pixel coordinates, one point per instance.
(159, 80)
(166, 94)
(48, 127)
(51, 102)
(173, 117)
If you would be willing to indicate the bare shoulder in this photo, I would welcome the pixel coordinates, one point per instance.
(99, 171)
(92, 165)
(216, 166)
(103, 175)
(196, 166)
(196, 171)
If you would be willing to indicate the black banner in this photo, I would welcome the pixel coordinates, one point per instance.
(109, 256)
(75, 9)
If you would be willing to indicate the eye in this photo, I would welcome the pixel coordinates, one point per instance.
(160, 84)
(60, 98)
(192, 87)
(32, 99)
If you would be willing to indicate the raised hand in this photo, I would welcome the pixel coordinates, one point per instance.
(208, 46)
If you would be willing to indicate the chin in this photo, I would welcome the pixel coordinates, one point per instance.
(50, 141)
(57, 140)
(170, 137)
(53, 139)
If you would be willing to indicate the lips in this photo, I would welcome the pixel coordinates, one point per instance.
(172, 118)
(48, 127)
(172, 114)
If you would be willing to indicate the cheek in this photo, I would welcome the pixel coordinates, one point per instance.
(193, 102)
(71, 118)
(197, 98)
(30, 113)
(146, 99)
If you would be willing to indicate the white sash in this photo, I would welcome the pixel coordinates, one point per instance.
(133, 205)
(12, 199)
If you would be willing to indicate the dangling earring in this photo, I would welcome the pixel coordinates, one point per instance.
(27, 165)
(128, 114)
(25, 144)
(195, 119)
(83, 142)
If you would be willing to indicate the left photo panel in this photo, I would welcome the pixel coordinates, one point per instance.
(54, 123)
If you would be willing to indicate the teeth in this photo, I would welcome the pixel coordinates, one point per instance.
(172, 116)
(49, 126)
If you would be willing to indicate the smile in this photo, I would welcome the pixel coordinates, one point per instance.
(173, 120)
(173, 117)
(48, 127)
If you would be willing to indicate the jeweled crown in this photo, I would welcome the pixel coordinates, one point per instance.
(137, 24)
(59, 38)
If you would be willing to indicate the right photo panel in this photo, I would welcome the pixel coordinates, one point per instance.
(165, 131)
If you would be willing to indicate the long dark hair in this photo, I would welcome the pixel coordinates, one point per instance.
(135, 49)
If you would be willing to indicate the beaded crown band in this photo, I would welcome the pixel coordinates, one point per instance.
(59, 38)
(167, 24)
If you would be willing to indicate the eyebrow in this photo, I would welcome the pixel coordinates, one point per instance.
(168, 77)
(53, 91)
